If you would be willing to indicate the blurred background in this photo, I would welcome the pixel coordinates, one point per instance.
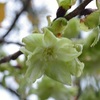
(19, 18)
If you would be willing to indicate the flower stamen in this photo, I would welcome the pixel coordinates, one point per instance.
(48, 53)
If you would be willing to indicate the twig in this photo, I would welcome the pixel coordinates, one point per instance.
(10, 57)
(17, 16)
(11, 90)
(78, 94)
(79, 89)
(78, 10)
(10, 42)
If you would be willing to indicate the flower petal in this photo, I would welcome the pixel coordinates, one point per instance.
(36, 66)
(57, 70)
(63, 41)
(49, 38)
(25, 51)
(32, 41)
(69, 52)
(75, 67)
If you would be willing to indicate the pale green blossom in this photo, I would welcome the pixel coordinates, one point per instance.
(55, 57)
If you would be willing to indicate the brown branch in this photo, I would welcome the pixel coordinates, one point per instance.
(87, 11)
(78, 10)
(60, 12)
(17, 16)
(10, 57)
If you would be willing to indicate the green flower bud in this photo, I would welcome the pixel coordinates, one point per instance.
(92, 20)
(72, 28)
(58, 25)
(66, 4)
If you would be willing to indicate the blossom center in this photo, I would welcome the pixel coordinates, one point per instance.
(48, 53)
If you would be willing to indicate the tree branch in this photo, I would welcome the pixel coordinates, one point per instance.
(87, 11)
(10, 42)
(78, 10)
(17, 16)
(79, 89)
(10, 57)
(11, 90)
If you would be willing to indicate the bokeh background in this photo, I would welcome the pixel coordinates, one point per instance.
(19, 18)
